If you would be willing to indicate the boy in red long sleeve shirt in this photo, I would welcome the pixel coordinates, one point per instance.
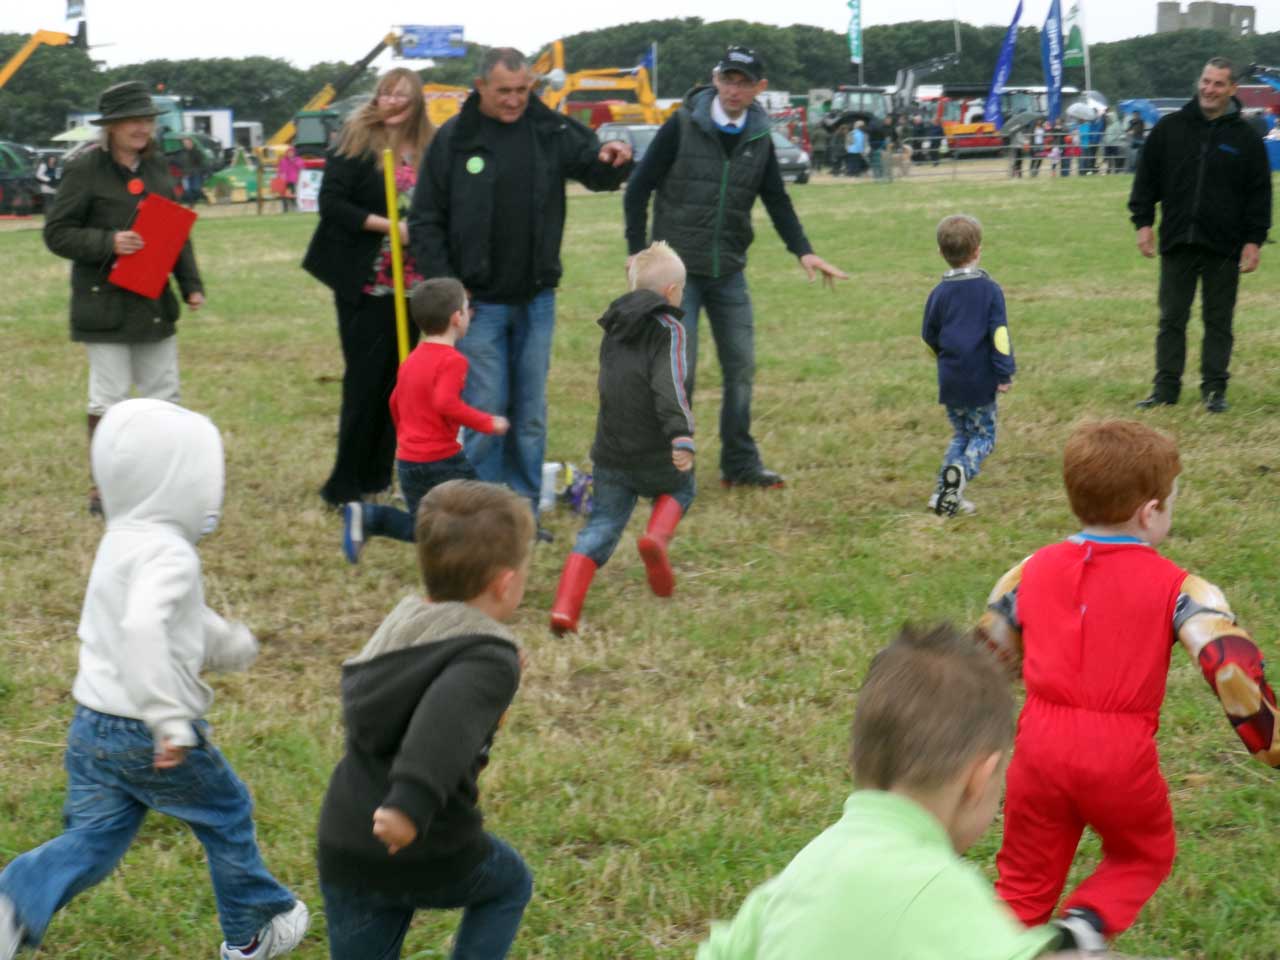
(1090, 624)
(427, 410)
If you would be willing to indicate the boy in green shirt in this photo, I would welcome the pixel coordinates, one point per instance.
(931, 737)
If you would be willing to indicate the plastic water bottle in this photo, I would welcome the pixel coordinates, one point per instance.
(550, 481)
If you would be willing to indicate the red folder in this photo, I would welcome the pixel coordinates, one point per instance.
(164, 227)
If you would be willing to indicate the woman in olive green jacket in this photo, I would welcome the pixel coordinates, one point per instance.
(129, 338)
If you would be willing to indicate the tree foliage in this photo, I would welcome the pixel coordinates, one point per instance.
(59, 80)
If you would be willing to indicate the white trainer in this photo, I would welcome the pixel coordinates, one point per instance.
(282, 934)
(10, 930)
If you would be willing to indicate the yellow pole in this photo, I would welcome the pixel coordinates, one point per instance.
(397, 252)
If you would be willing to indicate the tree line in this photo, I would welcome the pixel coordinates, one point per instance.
(59, 80)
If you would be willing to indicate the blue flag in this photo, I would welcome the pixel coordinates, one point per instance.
(1051, 57)
(650, 59)
(1004, 66)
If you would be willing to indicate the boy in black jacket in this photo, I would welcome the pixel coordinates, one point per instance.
(400, 829)
(644, 432)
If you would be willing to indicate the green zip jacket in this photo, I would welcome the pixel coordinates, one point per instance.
(94, 203)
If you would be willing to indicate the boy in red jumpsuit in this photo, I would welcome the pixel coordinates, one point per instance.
(1090, 623)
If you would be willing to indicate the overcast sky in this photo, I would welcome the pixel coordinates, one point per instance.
(129, 31)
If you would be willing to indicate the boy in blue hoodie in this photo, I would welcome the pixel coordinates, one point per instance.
(966, 328)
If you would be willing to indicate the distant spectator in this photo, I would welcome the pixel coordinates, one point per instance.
(1137, 131)
(192, 164)
(1113, 145)
(856, 152)
(1038, 150)
(49, 173)
(289, 168)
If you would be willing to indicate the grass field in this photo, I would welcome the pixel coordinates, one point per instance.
(675, 754)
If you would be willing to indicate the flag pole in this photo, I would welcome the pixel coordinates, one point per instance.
(1084, 42)
(397, 254)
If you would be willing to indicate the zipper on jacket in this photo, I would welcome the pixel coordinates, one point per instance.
(724, 189)
(1195, 202)
(715, 236)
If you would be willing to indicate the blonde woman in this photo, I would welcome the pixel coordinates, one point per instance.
(350, 253)
(129, 338)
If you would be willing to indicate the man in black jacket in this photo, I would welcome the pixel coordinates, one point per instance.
(707, 164)
(489, 209)
(1208, 171)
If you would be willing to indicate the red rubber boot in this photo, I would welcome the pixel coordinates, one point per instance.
(575, 580)
(653, 545)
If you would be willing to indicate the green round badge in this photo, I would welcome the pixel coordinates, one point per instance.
(475, 165)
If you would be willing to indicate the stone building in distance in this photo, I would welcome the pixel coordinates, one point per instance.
(1205, 15)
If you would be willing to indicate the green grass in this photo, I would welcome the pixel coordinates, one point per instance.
(658, 766)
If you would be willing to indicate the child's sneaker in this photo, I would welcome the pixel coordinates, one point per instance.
(352, 530)
(282, 934)
(1081, 929)
(966, 506)
(10, 931)
(949, 495)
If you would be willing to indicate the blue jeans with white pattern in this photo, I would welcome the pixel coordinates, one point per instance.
(973, 438)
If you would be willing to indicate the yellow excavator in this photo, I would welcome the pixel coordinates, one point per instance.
(316, 109)
(40, 38)
(557, 87)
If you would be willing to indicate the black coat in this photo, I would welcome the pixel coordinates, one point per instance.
(452, 219)
(94, 203)
(643, 370)
(342, 251)
(1211, 179)
(420, 721)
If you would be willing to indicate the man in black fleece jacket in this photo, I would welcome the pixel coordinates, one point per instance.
(1208, 170)
(644, 432)
(400, 829)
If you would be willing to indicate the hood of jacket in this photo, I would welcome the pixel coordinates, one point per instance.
(632, 314)
(157, 463)
(468, 136)
(1233, 112)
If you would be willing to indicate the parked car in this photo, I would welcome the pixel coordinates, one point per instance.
(19, 188)
(638, 135)
(792, 160)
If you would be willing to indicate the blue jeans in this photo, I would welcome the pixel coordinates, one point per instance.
(973, 439)
(508, 348)
(111, 784)
(416, 479)
(367, 925)
(728, 305)
(613, 498)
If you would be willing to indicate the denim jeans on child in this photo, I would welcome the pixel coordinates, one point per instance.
(508, 350)
(613, 498)
(111, 784)
(729, 314)
(416, 479)
(367, 925)
(974, 437)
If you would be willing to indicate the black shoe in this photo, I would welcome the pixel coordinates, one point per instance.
(1216, 402)
(760, 478)
(1154, 401)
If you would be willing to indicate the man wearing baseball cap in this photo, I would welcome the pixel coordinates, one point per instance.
(707, 165)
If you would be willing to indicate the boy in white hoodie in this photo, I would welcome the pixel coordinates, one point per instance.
(138, 741)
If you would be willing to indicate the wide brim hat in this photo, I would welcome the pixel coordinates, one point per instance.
(125, 101)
